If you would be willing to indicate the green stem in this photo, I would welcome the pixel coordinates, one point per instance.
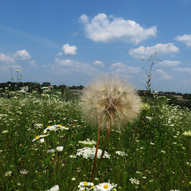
(90, 168)
(98, 136)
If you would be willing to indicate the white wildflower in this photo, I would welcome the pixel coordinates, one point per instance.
(121, 153)
(87, 152)
(59, 148)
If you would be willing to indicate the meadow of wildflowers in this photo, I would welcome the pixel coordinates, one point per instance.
(47, 144)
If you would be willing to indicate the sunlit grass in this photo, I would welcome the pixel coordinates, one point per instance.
(159, 159)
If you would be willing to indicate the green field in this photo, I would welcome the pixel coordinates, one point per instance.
(160, 157)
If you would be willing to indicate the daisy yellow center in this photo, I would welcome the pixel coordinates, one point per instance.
(85, 183)
(36, 137)
(106, 186)
(59, 125)
(48, 126)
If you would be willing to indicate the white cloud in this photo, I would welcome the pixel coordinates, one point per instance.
(163, 74)
(5, 58)
(59, 54)
(168, 63)
(33, 64)
(64, 62)
(111, 29)
(123, 68)
(67, 66)
(116, 64)
(98, 63)
(84, 19)
(185, 39)
(145, 52)
(21, 55)
(69, 50)
(183, 69)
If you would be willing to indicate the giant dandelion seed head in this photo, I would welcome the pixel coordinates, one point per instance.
(109, 101)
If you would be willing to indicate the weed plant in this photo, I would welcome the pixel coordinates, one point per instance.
(159, 159)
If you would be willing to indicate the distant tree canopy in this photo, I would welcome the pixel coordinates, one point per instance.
(13, 86)
(45, 84)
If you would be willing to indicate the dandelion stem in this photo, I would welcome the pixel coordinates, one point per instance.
(98, 136)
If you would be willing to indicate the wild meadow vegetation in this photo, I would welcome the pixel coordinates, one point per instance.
(47, 144)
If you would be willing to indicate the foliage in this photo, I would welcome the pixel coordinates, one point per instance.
(159, 160)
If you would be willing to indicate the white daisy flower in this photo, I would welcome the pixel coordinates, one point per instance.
(39, 136)
(105, 186)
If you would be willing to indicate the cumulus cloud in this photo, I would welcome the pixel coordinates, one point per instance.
(59, 54)
(33, 64)
(21, 55)
(145, 52)
(168, 63)
(5, 58)
(119, 67)
(67, 66)
(183, 69)
(163, 74)
(63, 63)
(112, 29)
(69, 50)
(185, 39)
(84, 19)
(116, 64)
(98, 63)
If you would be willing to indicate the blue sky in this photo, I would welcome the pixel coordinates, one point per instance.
(71, 42)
